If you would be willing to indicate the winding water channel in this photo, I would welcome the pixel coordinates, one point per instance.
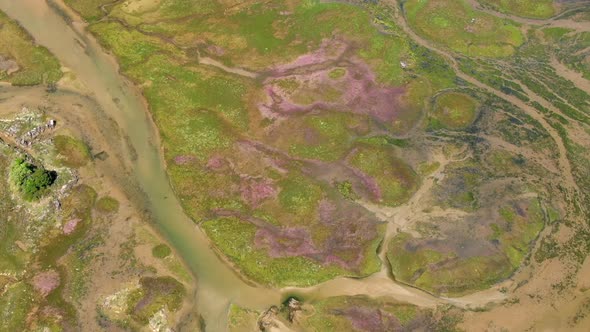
(218, 284)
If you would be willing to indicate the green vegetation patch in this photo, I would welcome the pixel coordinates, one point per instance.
(31, 181)
(325, 136)
(456, 25)
(455, 110)
(556, 33)
(361, 313)
(445, 266)
(346, 189)
(426, 168)
(27, 63)
(16, 302)
(465, 276)
(443, 272)
(460, 189)
(256, 36)
(77, 257)
(235, 238)
(300, 196)
(161, 251)
(71, 151)
(405, 264)
(79, 202)
(571, 48)
(90, 10)
(107, 204)
(199, 191)
(22, 234)
(149, 11)
(154, 295)
(13, 260)
(196, 110)
(519, 227)
(130, 46)
(337, 73)
(241, 319)
(526, 8)
(390, 180)
(76, 208)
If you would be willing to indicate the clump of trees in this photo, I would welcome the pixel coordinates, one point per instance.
(31, 181)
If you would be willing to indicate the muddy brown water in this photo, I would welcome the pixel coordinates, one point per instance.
(218, 284)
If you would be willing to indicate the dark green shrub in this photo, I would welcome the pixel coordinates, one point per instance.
(31, 181)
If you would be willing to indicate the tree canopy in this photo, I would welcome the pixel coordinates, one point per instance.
(31, 181)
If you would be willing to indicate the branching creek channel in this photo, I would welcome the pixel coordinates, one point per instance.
(218, 284)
